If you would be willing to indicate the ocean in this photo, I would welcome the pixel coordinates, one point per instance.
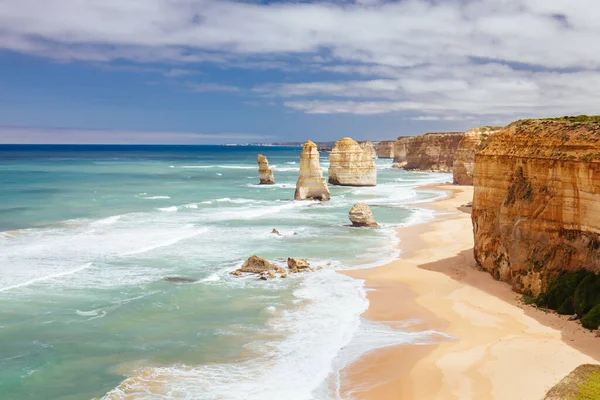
(88, 235)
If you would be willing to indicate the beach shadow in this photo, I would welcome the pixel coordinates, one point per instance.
(462, 268)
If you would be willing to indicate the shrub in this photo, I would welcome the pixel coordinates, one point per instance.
(591, 320)
(561, 291)
(587, 294)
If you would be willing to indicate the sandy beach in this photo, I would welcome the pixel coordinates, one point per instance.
(498, 348)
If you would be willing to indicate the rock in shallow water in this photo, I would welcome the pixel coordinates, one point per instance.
(352, 164)
(297, 265)
(179, 279)
(264, 172)
(361, 215)
(311, 184)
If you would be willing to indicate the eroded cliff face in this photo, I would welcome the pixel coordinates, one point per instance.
(351, 164)
(311, 184)
(536, 204)
(400, 150)
(385, 149)
(432, 151)
(464, 157)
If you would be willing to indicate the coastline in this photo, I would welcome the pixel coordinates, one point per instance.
(502, 348)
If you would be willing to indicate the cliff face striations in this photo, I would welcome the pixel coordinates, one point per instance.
(432, 151)
(400, 150)
(351, 164)
(264, 172)
(385, 149)
(464, 157)
(311, 184)
(536, 204)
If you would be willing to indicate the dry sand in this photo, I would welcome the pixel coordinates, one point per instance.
(501, 349)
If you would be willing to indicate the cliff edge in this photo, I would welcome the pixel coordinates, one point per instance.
(536, 203)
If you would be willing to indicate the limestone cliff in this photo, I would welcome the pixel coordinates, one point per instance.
(264, 172)
(536, 204)
(464, 157)
(385, 149)
(311, 184)
(351, 164)
(432, 151)
(369, 149)
(400, 150)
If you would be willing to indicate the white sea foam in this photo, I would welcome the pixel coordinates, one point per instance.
(168, 209)
(106, 221)
(45, 278)
(156, 197)
(166, 243)
(235, 201)
(291, 162)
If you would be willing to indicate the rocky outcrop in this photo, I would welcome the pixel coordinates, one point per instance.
(296, 265)
(311, 185)
(264, 172)
(400, 151)
(361, 215)
(260, 266)
(464, 157)
(351, 164)
(432, 151)
(536, 204)
(385, 149)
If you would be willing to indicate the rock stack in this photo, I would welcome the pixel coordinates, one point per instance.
(351, 164)
(264, 172)
(311, 185)
(361, 215)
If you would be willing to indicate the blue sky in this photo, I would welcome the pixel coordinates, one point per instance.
(217, 71)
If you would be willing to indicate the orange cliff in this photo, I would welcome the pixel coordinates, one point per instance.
(385, 148)
(464, 157)
(428, 152)
(536, 202)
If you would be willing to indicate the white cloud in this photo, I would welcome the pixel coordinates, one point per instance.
(465, 57)
(25, 135)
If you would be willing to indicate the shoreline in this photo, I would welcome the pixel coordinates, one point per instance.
(502, 349)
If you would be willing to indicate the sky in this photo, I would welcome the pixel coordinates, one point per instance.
(224, 71)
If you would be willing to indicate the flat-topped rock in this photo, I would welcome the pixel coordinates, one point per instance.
(352, 164)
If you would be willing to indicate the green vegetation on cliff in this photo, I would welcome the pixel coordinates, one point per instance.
(575, 293)
(581, 384)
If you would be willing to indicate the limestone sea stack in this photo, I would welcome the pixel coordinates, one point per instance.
(311, 185)
(351, 164)
(264, 172)
(385, 149)
(536, 202)
(361, 215)
(464, 157)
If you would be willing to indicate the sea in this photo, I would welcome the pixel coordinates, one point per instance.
(90, 234)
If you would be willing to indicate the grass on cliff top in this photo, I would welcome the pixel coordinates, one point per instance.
(575, 293)
(581, 384)
(576, 118)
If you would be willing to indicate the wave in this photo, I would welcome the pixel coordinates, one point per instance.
(166, 243)
(46, 278)
(156, 197)
(106, 221)
(291, 162)
(235, 201)
(276, 185)
(169, 209)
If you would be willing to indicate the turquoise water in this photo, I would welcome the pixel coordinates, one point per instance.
(88, 234)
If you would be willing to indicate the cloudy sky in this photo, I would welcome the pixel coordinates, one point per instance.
(218, 71)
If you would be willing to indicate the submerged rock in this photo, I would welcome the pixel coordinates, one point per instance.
(264, 172)
(352, 164)
(297, 265)
(361, 215)
(275, 231)
(311, 184)
(179, 279)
